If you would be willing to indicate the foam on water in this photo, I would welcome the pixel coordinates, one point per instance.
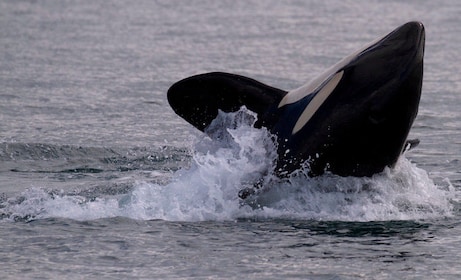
(237, 157)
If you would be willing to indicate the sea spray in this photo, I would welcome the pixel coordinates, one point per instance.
(233, 155)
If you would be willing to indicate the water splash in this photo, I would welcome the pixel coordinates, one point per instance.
(237, 157)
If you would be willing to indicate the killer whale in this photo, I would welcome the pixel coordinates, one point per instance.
(352, 120)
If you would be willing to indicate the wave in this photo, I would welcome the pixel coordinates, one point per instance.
(225, 163)
(49, 158)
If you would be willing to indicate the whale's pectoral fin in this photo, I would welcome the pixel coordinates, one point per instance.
(248, 191)
(410, 144)
(198, 98)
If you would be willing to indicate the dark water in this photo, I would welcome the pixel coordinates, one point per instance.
(99, 178)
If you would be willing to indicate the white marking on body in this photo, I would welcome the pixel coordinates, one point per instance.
(317, 101)
(306, 89)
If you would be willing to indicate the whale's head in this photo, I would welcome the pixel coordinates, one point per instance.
(355, 118)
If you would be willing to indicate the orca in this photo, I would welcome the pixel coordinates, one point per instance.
(352, 120)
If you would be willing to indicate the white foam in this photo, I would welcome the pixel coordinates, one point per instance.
(236, 158)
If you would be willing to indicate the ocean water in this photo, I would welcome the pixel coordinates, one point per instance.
(100, 179)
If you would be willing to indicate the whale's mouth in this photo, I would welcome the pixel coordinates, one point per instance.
(408, 37)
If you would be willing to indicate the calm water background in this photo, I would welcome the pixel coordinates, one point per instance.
(99, 178)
